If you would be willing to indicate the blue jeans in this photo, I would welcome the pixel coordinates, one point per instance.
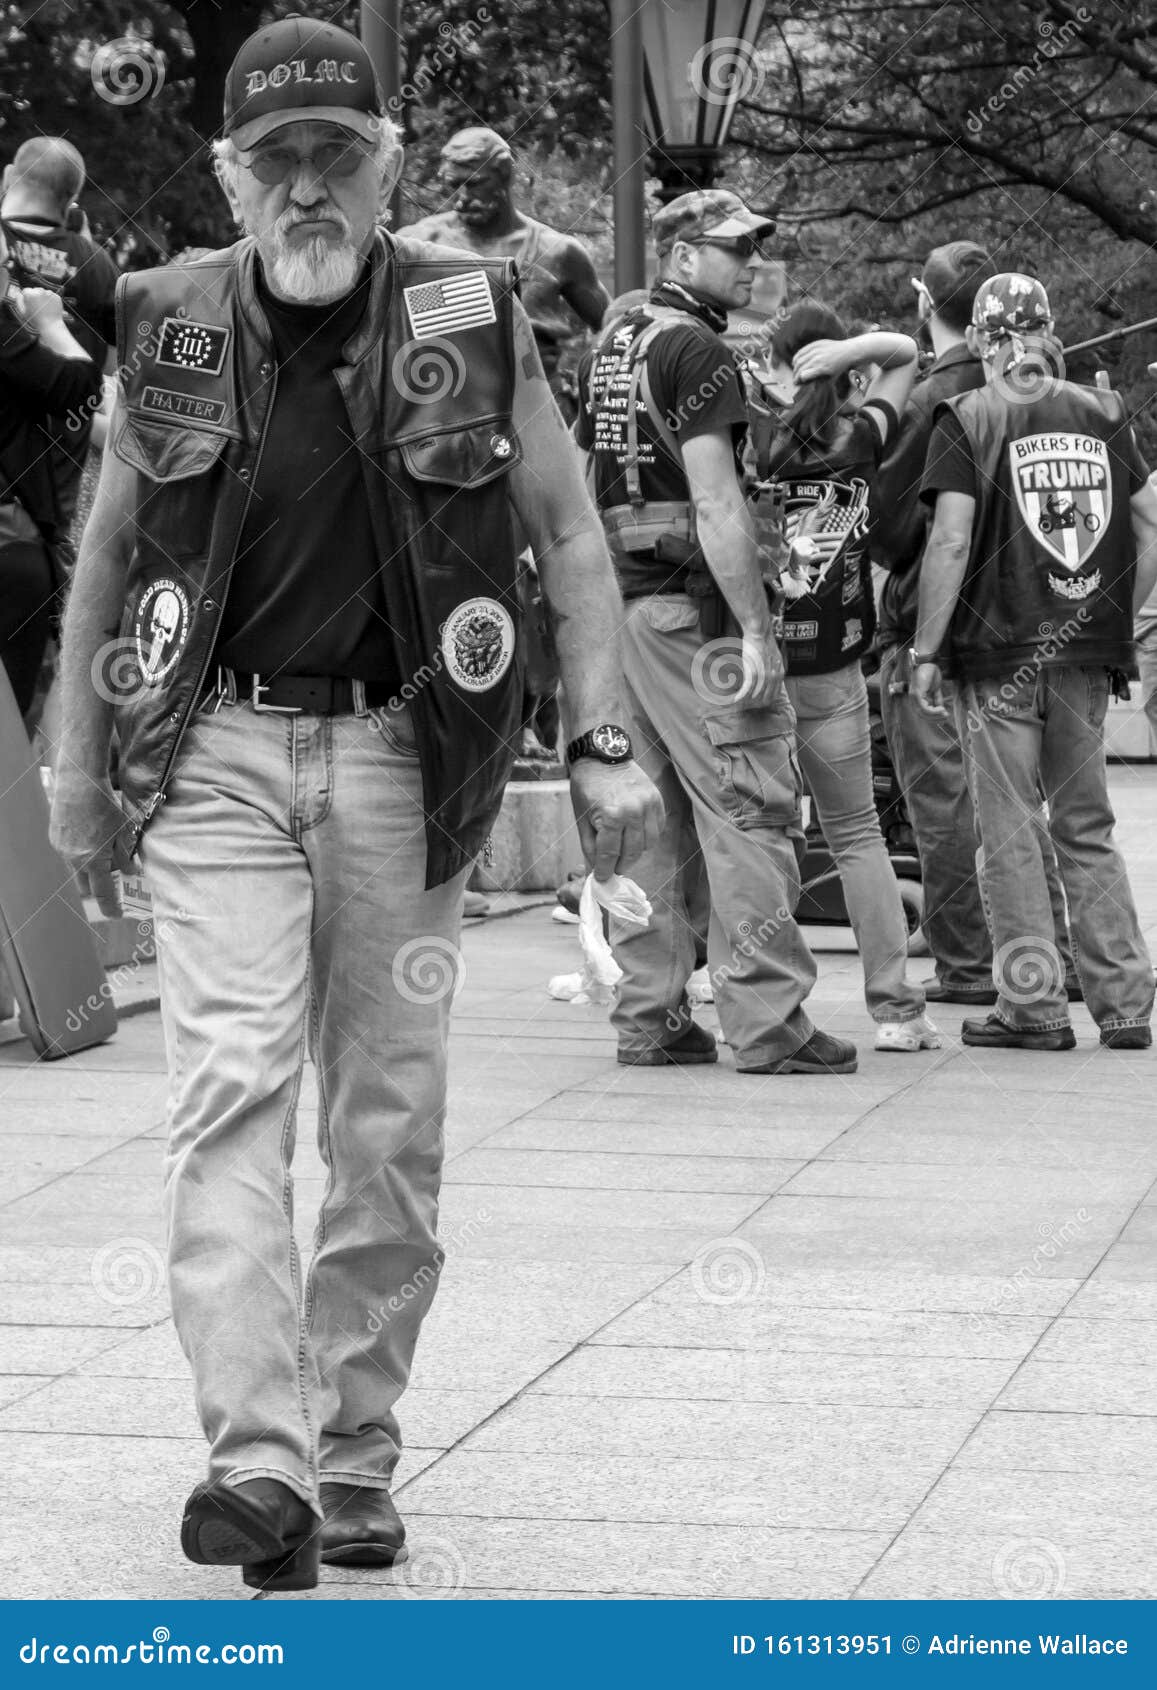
(1022, 734)
(287, 869)
(929, 764)
(835, 754)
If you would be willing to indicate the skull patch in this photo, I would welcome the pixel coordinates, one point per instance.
(160, 629)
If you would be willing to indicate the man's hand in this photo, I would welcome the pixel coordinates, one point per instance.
(619, 813)
(762, 670)
(91, 832)
(43, 309)
(926, 684)
(820, 358)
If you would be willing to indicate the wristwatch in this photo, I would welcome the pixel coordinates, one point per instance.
(608, 743)
(916, 658)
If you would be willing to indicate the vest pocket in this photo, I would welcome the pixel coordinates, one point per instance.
(164, 452)
(463, 457)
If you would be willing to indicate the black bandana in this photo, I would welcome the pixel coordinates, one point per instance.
(687, 299)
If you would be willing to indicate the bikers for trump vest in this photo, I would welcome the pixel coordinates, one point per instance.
(428, 384)
(1052, 564)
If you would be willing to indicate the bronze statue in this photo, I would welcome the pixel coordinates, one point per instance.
(555, 269)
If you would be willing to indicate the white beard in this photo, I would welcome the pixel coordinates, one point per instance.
(312, 271)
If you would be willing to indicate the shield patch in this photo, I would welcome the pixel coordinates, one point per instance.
(1064, 492)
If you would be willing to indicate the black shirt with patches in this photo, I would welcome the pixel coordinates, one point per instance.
(305, 598)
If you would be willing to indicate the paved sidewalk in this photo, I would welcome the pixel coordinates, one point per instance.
(698, 1334)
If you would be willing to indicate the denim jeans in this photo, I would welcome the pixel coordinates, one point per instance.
(729, 780)
(1046, 730)
(929, 763)
(1145, 635)
(835, 754)
(287, 869)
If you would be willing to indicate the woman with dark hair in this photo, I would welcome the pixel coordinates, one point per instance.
(816, 463)
(44, 372)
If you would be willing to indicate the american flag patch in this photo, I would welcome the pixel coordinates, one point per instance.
(447, 307)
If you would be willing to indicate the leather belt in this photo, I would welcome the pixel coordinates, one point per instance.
(294, 695)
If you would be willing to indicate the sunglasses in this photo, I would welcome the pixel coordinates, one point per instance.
(740, 246)
(336, 159)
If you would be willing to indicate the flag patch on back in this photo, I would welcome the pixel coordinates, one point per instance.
(449, 306)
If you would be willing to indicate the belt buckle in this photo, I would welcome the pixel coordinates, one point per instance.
(271, 709)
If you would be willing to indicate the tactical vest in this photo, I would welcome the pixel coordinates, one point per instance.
(1052, 564)
(428, 385)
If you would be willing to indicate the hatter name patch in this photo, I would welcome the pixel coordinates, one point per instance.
(478, 644)
(185, 345)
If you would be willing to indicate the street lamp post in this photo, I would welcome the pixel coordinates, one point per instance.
(699, 63)
(381, 33)
(630, 144)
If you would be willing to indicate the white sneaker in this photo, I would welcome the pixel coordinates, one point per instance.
(700, 988)
(918, 1034)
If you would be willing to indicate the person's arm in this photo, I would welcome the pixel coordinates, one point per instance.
(941, 577)
(580, 286)
(896, 355)
(619, 811)
(727, 538)
(900, 521)
(40, 361)
(88, 826)
(1143, 507)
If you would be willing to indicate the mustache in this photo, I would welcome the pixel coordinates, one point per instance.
(290, 220)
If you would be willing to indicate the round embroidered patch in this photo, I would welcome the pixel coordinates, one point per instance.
(478, 644)
(160, 628)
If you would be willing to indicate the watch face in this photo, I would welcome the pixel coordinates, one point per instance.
(611, 742)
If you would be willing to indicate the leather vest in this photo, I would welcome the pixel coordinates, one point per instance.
(1052, 564)
(428, 383)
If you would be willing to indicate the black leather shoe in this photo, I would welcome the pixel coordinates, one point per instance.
(821, 1054)
(695, 1045)
(362, 1526)
(260, 1526)
(994, 1035)
(1126, 1038)
(934, 992)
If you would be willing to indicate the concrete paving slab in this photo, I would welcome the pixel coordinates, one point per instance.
(1040, 1235)
(1084, 1387)
(758, 1325)
(876, 1290)
(739, 1492)
(832, 1176)
(782, 1376)
(1100, 1343)
(799, 1436)
(1113, 1444)
(1093, 1562)
(610, 1172)
(1102, 1298)
(52, 1349)
(1052, 1504)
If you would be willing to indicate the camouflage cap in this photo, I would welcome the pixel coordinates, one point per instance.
(708, 211)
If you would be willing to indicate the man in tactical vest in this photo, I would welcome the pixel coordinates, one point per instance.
(1044, 540)
(926, 749)
(664, 416)
(297, 596)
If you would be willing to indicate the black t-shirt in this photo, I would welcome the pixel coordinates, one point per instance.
(305, 597)
(37, 386)
(951, 469)
(696, 387)
(44, 254)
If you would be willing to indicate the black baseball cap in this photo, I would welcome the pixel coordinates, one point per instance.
(301, 71)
